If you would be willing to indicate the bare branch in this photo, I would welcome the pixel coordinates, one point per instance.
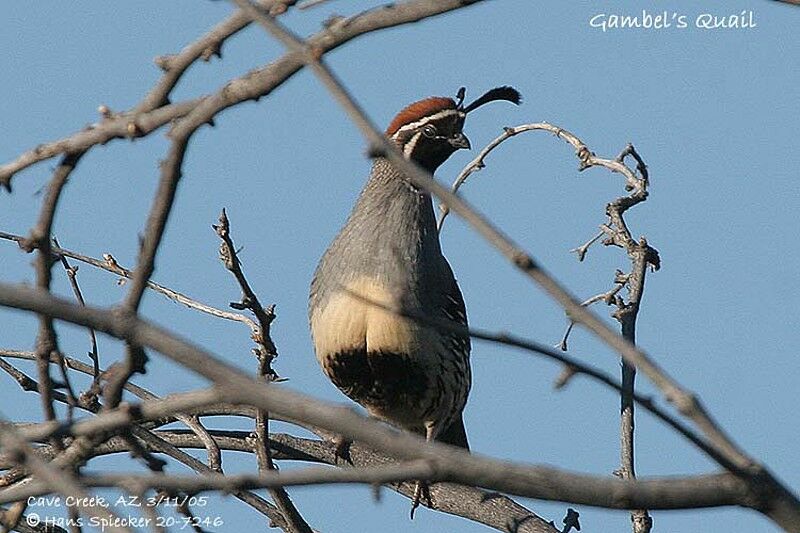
(491, 509)
(53, 479)
(152, 112)
(206, 47)
(537, 482)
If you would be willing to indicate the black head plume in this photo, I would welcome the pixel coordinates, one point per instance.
(462, 92)
(505, 92)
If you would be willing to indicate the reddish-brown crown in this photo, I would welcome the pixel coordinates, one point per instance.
(418, 110)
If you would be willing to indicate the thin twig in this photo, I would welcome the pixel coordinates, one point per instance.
(72, 272)
(265, 352)
(581, 250)
(121, 418)
(46, 340)
(607, 297)
(110, 264)
(249, 299)
(150, 114)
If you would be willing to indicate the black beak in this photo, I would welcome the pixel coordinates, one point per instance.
(459, 140)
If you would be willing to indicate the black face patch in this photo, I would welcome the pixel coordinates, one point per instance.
(385, 380)
(428, 140)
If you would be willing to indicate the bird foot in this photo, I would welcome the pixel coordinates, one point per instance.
(421, 490)
(342, 450)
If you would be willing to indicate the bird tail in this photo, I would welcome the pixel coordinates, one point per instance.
(455, 435)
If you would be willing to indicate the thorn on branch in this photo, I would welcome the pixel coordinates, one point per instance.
(566, 374)
(212, 50)
(332, 21)
(165, 62)
(581, 250)
(105, 111)
(110, 261)
(133, 130)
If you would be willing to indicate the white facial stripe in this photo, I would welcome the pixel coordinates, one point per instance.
(417, 124)
(411, 144)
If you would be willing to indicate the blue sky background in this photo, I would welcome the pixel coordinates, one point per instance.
(714, 113)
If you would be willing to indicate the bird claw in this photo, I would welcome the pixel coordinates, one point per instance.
(342, 450)
(422, 489)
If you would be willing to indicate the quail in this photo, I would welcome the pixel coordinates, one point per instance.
(400, 368)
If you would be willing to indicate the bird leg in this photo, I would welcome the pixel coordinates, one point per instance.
(422, 489)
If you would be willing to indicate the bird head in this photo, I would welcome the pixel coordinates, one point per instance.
(430, 130)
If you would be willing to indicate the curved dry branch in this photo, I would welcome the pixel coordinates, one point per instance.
(204, 48)
(492, 509)
(586, 157)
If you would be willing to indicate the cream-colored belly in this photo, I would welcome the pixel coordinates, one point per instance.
(360, 316)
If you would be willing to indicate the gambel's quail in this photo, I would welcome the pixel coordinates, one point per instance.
(387, 257)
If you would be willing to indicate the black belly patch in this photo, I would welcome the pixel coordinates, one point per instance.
(382, 379)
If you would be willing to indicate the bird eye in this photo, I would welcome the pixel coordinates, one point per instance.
(429, 131)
